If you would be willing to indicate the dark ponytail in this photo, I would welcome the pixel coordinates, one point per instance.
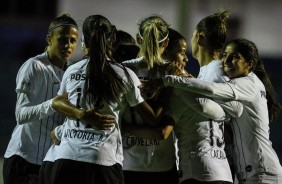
(273, 105)
(102, 83)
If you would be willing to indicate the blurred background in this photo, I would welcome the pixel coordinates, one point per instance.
(24, 25)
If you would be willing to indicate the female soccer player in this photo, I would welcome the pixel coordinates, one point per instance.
(38, 81)
(254, 158)
(199, 131)
(90, 152)
(144, 161)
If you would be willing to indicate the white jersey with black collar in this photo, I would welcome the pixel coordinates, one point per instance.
(141, 154)
(82, 143)
(38, 81)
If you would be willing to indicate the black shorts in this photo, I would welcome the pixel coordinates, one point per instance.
(45, 172)
(193, 181)
(137, 177)
(17, 170)
(70, 171)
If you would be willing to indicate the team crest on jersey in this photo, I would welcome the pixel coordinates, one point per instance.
(25, 84)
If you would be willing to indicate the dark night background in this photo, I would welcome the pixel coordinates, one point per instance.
(23, 28)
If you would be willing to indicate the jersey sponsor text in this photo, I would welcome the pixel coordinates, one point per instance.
(79, 134)
(132, 141)
(77, 76)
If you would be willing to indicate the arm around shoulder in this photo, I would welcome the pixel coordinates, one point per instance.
(89, 117)
(62, 105)
(160, 132)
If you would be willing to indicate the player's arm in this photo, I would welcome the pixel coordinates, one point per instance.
(162, 127)
(90, 117)
(55, 138)
(26, 111)
(240, 89)
(233, 108)
(201, 105)
(204, 106)
(137, 101)
(159, 132)
(62, 105)
(29, 79)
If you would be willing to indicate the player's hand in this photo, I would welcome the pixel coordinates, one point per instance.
(97, 120)
(55, 140)
(175, 68)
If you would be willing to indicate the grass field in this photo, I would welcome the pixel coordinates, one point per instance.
(1, 166)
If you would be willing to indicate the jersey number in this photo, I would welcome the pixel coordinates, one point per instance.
(78, 90)
(216, 141)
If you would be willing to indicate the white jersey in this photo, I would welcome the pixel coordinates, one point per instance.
(140, 68)
(51, 153)
(82, 143)
(200, 138)
(37, 82)
(200, 142)
(253, 152)
(141, 154)
(212, 72)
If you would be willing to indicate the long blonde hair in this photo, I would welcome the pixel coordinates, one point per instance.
(153, 31)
